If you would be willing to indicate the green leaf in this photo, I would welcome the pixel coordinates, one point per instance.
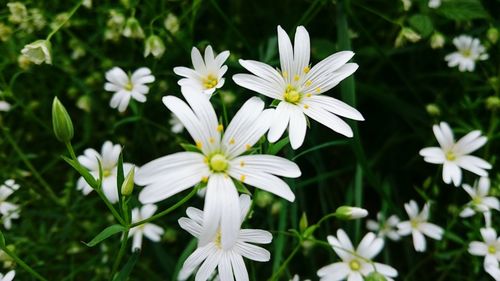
(190, 147)
(119, 177)
(422, 24)
(463, 10)
(274, 148)
(127, 269)
(105, 234)
(2, 240)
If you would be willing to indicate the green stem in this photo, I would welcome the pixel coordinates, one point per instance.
(224, 110)
(121, 252)
(65, 21)
(23, 264)
(32, 169)
(167, 211)
(283, 266)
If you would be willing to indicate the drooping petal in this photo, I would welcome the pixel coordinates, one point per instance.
(239, 268)
(329, 120)
(297, 128)
(433, 231)
(280, 121)
(335, 106)
(252, 252)
(418, 241)
(195, 259)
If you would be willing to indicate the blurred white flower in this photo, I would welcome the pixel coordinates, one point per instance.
(493, 270)
(218, 162)
(297, 278)
(152, 231)
(406, 4)
(154, 46)
(176, 125)
(9, 211)
(480, 202)
(418, 226)
(434, 4)
(385, 227)
(437, 40)
(298, 87)
(18, 12)
(133, 29)
(4, 106)
(356, 263)
(172, 23)
(489, 248)
(207, 74)
(228, 259)
(469, 51)
(455, 155)
(126, 87)
(109, 160)
(9, 276)
(38, 52)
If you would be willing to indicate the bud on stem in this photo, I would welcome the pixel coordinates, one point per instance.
(61, 122)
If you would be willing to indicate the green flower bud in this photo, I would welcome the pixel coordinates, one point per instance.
(433, 109)
(406, 34)
(493, 103)
(154, 45)
(38, 52)
(133, 29)
(263, 198)
(303, 223)
(5, 32)
(437, 40)
(61, 122)
(128, 183)
(350, 213)
(375, 276)
(492, 35)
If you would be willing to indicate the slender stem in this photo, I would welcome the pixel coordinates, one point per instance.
(121, 252)
(224, 110)
(167, 211)
(32, 169)
(324, 218)
(71, 13)
(283, 266)
(96, 188)
(23, 264)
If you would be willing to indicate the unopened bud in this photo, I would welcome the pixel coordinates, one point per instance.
(154, 45)
(303, 224)
(38, 52)
(375, 276)
(410, 34)
(262, 198)
(437, 40)
(172, 23)
(133, 29)
(5, 32)
(492, 35)
(433, 109)
(128, 183)
(61, 122)
(350, 213)
(493, 103)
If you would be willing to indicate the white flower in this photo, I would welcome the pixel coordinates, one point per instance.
(9, 276)
(480, 202)
(4, 106)
(228, 259)
(9, 211)
(126, 86)
(298, 87)
(469, 51)
(434, 4)
(171, 23)
(489, 249)
(418, 226)
(109, 160)
(219, 159)
(455, 155)
(38, 52)
(493, 270)
(385, 227)
(355, 263)
(152, 231)
(155, 46)
(297, 278)
(207, 74)
(177, 126)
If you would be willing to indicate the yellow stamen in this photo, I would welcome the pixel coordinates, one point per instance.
(199, 145)
(291, 95)
(217, 240)
(306, 69)
(242, 178)
(247, 146)
(318, 90)
(231, 141)
(218, 163)
(242, 164)
(211, 140)
(308, 95)
(129, 86)
(306, 106)
(220, 128)
(354, 265)
(210, 82)
(296, 77)
(492, 249)
(308, 83)
(450, 156)
(285, 74)
(204, 179)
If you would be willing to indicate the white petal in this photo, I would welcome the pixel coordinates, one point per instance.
(258, 236)
(478, 248)
(286, 53)
(330, 120)
(334, 272)
(264, 71)
(212, 211)
(335, 106)
(225, 270)
(280, 121)
(470, 142)
(483, 186)
(190, 226)
(328, 81)
(474, 164)
(489, 235)
(434, 155)
(267, 164)
(370, 246)
(355, 276)
(245, 203)
(444, 135)
(431, 230)
(467, 212)
(198, 63)
(117, 76)
(452, 173)
(230, 220)
(386, 270)
(301, 52)
(239, 268)
(260, 85)
(137, 241)
(194, 260)
(153, 232)
(329, 65)
(208, 266)
(188, 73)
(297, 128)
(109, 189)
(404, 228)
(252, 252)
(418, 241)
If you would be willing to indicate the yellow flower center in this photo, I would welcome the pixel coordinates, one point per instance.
(291, 95)
(477, 200)
(129, 86)
(210, 82)
(466, 53)
(354, 265)
(218, 239)
(218, 163)
(492, 249)
(414, 223)
(450, 156)
(106, 173)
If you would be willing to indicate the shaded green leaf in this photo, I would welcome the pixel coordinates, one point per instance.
(105, 234)
(463, 10)
(422, 24)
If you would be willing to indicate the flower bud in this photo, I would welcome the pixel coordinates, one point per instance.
(87, 4)
(128, 183)
(154, 45)
(350, 213)
(410, 34)
(61, 122)
(5, 32)
(38, 52)
(375, 276)
(492, 34)
(437, 40)
(493, 103)
(303, 223)
(433, 109)
(133, 29)
(18, 12)
(4, 106)
(172, 23)
(406, 4)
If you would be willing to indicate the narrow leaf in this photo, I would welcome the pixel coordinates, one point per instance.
(105, 234)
